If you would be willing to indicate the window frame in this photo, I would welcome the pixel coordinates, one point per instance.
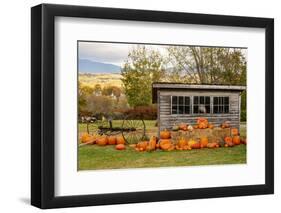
(183, 105)
(199, 97)
(191, 104)
(223, 104)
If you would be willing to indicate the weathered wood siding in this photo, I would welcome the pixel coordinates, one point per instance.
(166, 119)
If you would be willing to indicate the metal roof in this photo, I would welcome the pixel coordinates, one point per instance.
(179, 86)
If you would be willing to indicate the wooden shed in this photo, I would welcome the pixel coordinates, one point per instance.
(183, 103)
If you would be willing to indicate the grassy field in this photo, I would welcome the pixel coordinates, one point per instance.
(106, 79)
(95, 157)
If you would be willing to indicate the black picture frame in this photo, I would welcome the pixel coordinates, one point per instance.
(43, 117)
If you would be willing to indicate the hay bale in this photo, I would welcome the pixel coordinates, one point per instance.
(198, 133)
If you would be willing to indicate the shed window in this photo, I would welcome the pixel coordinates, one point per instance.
(180, 105)
(201, 104)
(221, 105)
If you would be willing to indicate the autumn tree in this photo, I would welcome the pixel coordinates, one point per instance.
(84, 92)
(207, 65)
(97, 89)
(142, 67)
(112, 91)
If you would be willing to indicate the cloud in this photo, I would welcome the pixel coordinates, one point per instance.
(112, 53)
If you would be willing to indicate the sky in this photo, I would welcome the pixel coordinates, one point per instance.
(112, 53)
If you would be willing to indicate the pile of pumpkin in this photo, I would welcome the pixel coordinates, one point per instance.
(103, 140)
(201, 123)
(166, 143)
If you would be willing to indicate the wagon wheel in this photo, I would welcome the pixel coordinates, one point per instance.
(133, 131)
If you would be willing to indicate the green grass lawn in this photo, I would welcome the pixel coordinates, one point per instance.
(149, 124)
(96, 157)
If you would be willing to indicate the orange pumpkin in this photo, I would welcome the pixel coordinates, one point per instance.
(186, 147)
(202, 120)
(183, 126)
(234, 131)
(202, 123)
(151, 144)
(171, 148)
(182, 142)
(111, 140)
(210, 126)
(213, 145)
(195, 126)
(120, 147)
(120, 140)
(102, 141)
(85, 138)
(236, 140)
(164, 143)
(165, 134)
(166, 146)
(204, 141)
(142, 145)
(228, 139)
(196, 146)
(191, 142)
(231, 144)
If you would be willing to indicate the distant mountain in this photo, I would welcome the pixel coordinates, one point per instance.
(88, 66)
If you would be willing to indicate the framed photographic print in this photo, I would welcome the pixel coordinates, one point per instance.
(140, 106)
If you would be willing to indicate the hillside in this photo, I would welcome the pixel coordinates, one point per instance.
(88, 66)
(105, 79)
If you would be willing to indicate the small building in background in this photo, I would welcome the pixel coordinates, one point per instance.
(184, 103)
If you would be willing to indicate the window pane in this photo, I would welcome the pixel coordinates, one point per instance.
(207, 108)
(207, 100)
(174, 109)
(226, 109)
(226, 100)
(187, 109)
(195, 109)
(174, 100)
(202, 108)
(202, 100)
(221, 109)
(195, 100)
(216, 101)
(180, 100)
(221, 101)
(216, 109)
(187, 101)
(180, 110)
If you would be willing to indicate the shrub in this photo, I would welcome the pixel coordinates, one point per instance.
(142, 112)
(243, 115)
